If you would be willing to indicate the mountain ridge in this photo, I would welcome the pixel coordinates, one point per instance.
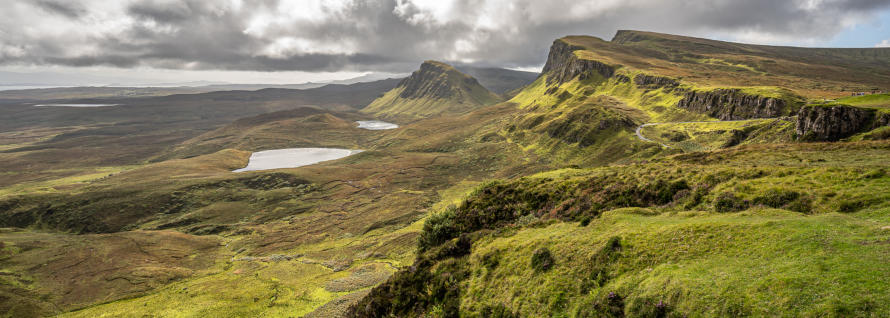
(435, 89)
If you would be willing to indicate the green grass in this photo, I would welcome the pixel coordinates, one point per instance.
(706, 136)
(757, 230)
(756, 263)
(435, 89)
(765, 228)
(880, 101)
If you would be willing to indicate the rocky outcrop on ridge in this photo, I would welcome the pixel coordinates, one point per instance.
(832, 123)
(563, 65)
(733, 104)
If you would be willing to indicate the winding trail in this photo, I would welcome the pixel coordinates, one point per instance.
(640, 134)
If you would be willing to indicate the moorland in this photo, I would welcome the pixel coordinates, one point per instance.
(650, 175)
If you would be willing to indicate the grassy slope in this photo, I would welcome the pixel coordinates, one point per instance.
(813, 73)
(706, 136)
(879, 101)
(363, 210)
(465, 94)
(759, 229)
(803, 233)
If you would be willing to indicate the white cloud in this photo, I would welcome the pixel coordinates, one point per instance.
(885, 43)
(362, 35)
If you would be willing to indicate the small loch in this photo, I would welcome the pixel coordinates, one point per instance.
(293, 158)
(376, 125)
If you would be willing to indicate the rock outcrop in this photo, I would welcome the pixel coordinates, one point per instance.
(733, 104)
(436, 88)
(832, 123)
(882, 119)
(563, 65)
(655, 82)
(431, 81)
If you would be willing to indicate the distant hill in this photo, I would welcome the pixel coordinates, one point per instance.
(499, 80)
(437, 88)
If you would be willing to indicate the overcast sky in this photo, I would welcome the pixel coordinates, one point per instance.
(295, 41)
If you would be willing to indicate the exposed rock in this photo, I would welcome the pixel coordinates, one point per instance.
(655, 82)
(882, 119)
(563, 65)
(431, 80)
(831, 123)
(435, 89)
(733, 104)
(622, 78)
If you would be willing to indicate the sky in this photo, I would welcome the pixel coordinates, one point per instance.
(282, 41)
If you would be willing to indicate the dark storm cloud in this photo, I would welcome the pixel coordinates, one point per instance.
(395, 35)
(64, 8)
(161, 12)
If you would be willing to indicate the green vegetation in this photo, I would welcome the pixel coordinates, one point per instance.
(704, 136)
(879, 101)
(435, 89)
(665, 232)
(547, 204)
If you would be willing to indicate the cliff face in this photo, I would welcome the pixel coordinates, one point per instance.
(882, 119)
(434, 80)
(655, 82)
(436, 88)
(824, 123)
(733, 104)
(562, 64)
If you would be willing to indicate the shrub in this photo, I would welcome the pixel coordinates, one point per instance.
(777, 198)
(585, 220)
(851, 206)
(605, 305)
(542, 260)
(599, 263)
(728, 202)
(437, 229)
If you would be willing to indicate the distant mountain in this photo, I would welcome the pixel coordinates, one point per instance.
(437, 88)
(53, 79)
(499, 80)
(370, 77)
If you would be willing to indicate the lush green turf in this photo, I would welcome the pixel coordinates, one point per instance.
(880, 101)
(704, 136)
(761, 262)
(701, 237)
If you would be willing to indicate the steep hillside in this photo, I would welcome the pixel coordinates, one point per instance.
(704, 234)
(767, 227)
(435, 89)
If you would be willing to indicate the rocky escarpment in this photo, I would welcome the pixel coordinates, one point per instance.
(435, 89)
(655, 82)
(432, 81)
(563, 65)
(733, 104)
(832, 123)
